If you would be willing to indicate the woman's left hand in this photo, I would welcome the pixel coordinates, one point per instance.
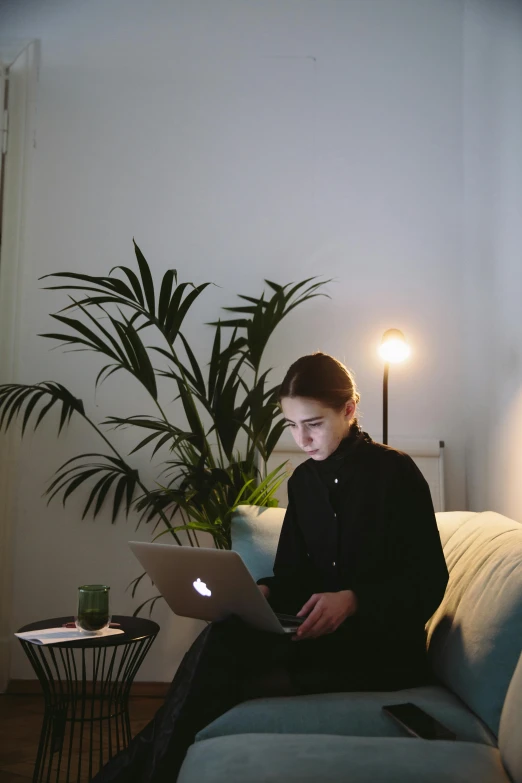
(326, 612)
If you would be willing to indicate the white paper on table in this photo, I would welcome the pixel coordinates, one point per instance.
(52, 635)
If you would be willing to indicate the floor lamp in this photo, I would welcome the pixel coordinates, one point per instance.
(394, 349)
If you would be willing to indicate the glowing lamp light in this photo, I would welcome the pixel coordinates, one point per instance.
(394, 347)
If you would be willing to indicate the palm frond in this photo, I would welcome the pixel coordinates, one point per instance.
(139, 294)
(128, 352)
(16, 399)
(135, 583)
(151, 601)
(264, 315)
(160, 428)
(112, 472)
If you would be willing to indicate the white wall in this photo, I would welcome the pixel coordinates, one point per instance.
(239, 140)
(493, 255)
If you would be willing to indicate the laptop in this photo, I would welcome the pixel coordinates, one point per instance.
(210, 584)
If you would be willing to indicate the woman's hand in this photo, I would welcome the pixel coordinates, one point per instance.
(326, 612)
(265, 590)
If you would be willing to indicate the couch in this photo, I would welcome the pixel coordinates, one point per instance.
(474, 646)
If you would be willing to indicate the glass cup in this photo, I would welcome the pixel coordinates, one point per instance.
(93, 608)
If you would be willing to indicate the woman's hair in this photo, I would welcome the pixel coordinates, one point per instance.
(320, 377)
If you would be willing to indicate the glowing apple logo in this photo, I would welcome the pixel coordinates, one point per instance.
(201, 587)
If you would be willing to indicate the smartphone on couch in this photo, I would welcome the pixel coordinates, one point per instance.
(417, 722)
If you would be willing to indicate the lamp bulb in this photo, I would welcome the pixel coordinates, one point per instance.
(394, 347)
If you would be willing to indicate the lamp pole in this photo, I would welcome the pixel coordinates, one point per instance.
(385, 403)
(394, 348)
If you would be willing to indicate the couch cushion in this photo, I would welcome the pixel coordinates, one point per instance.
(509, 736)
(449, 521)
(349, 714)
(475, 636)
(255, 535)
(298, 758)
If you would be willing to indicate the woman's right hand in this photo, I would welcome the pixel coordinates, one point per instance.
(265, 590)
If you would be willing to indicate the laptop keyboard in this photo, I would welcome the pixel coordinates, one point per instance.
(289, 620)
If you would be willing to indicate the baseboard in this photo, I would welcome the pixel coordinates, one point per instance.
(155, 690)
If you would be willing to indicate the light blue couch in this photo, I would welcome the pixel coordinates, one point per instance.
(475, 643)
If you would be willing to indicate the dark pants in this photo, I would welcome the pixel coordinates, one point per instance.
(227, 664)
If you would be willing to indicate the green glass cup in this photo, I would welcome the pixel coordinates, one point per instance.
(93, 608)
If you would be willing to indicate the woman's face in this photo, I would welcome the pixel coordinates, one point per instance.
(317, 430)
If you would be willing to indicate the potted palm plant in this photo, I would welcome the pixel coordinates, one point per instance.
(218, 459)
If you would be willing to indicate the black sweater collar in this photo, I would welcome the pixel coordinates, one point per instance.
(343, 452)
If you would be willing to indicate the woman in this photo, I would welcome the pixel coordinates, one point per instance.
(359, 555)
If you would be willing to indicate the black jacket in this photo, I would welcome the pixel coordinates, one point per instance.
(364, 521)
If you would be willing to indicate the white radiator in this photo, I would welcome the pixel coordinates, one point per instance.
(428, 455)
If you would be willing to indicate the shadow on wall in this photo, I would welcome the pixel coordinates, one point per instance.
(504, 485)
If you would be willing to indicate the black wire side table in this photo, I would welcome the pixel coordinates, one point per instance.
(86, 685)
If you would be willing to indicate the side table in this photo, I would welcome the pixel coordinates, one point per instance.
(86, 685)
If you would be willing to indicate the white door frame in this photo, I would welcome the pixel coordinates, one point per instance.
(21, 62)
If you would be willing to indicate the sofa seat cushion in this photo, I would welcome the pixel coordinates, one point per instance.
(348, 714)
(320, 758)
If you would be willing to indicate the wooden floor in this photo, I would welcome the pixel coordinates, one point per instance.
(20, 723)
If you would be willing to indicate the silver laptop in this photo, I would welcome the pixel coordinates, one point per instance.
(209, 584)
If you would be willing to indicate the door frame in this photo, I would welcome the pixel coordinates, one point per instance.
(21, 60)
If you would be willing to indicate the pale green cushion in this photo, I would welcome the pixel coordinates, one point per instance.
(305, 758)
(255, 534)
(475, 636)
(510, 736)
(350, 714)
